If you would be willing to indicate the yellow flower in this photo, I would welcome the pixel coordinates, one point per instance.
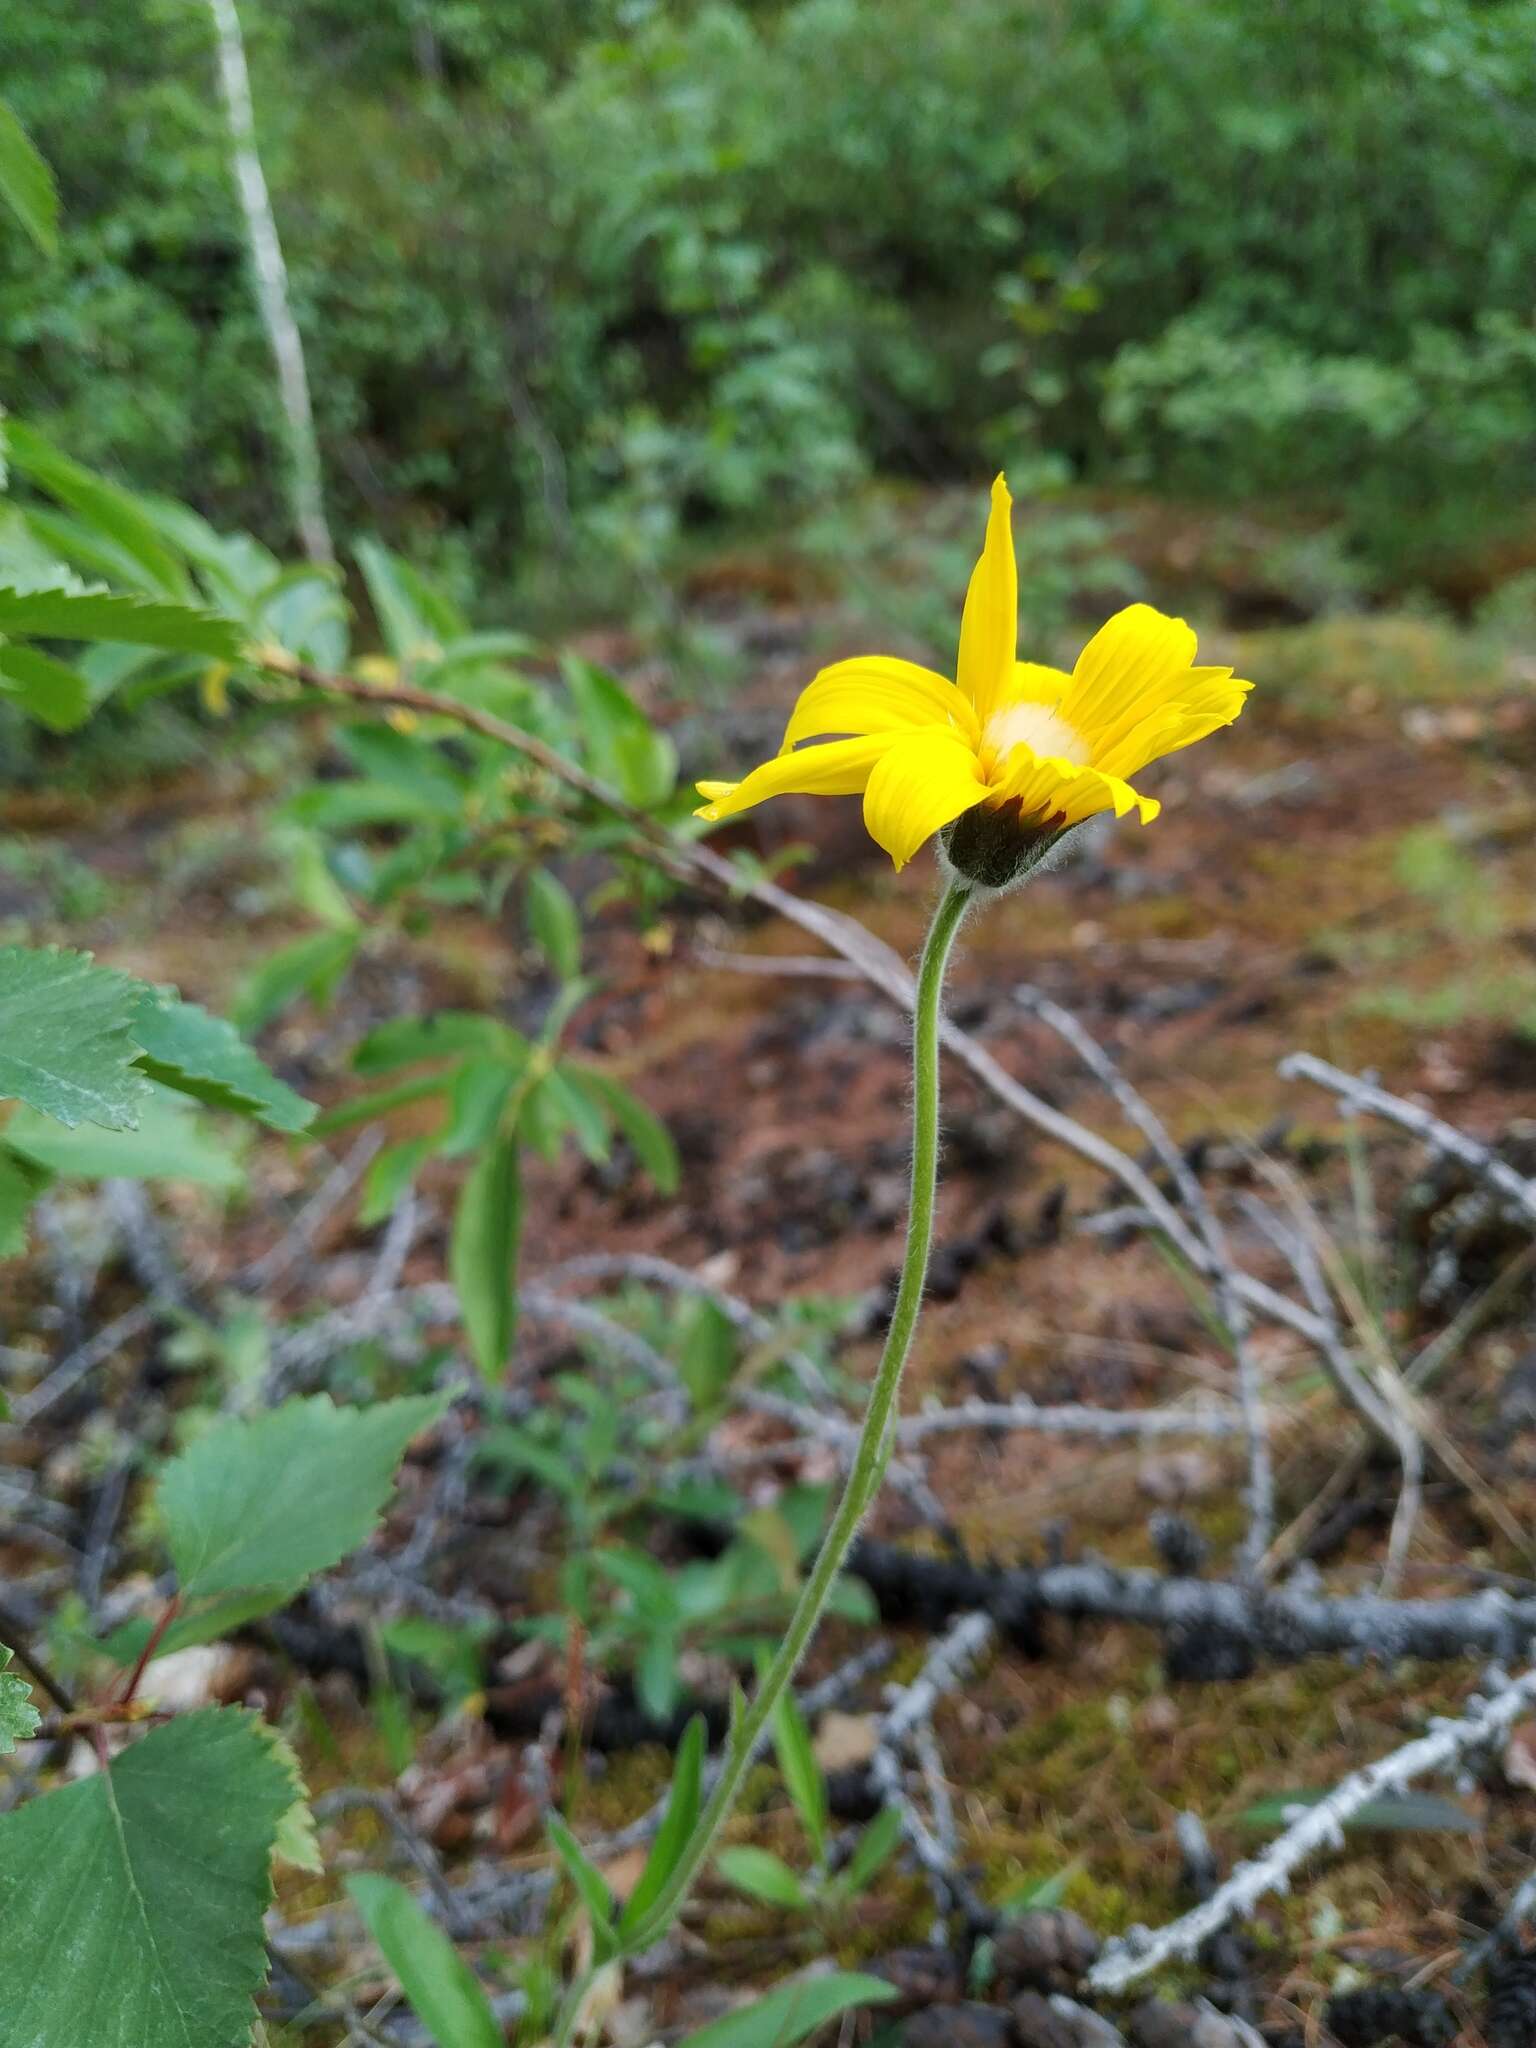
(1030, 750)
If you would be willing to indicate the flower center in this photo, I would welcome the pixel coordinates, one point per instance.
(1037, 727)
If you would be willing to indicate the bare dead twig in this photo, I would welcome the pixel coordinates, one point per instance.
(13, 1635)
(1358, 1093)
(1070, 1419)
(907, 1726)
(1486, 1722)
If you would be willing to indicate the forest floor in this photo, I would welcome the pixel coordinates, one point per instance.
(1350, 871)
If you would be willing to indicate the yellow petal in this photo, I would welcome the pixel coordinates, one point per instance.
(1053, 789)
(837, 768)
(1129, 668)
(989, 626)
(1034, 683)
(876, 693)
(1203, 701)
(925, 779)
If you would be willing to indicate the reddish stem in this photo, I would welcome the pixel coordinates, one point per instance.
(168, 1614)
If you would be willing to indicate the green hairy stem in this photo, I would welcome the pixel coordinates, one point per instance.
(874, 1446)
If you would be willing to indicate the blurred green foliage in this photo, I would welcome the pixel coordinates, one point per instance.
(576, 279)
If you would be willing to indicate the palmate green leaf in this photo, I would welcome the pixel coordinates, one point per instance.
(183, 1047)
(791, 2012)
(106, 615)
(131, 1902)
(50, 691)
(19, 1719)
(483, 1252)
(260, 1505)
(66, 1043)
(444, 1991)
(26, 182)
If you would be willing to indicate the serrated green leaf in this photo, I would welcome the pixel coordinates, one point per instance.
(106, 615)
(131, 1903)
(26, 182)
(791, 2012)
(264, 1503)
(296, 1842)
(21, 1182)
(483, 1253)
(169, 1143)
(183, 1047)
(50, 691)
(66, 1043)
(442, 1988)
(19, 1719)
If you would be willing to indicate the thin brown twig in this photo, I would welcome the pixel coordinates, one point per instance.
(14, 1637)
(168, 1614)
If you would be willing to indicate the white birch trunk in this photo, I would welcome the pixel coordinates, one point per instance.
(271, 279)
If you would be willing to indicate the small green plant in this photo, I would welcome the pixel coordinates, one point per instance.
(820, 1896)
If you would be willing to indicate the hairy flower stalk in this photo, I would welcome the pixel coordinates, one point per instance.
(877, 1434)
(1000, 763)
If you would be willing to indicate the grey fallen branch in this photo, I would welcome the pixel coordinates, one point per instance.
(1070, 1419)
(298, 1240)
(907, 1727)
(1285, 1622)
(1441, 1137)
(1486, 1723)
